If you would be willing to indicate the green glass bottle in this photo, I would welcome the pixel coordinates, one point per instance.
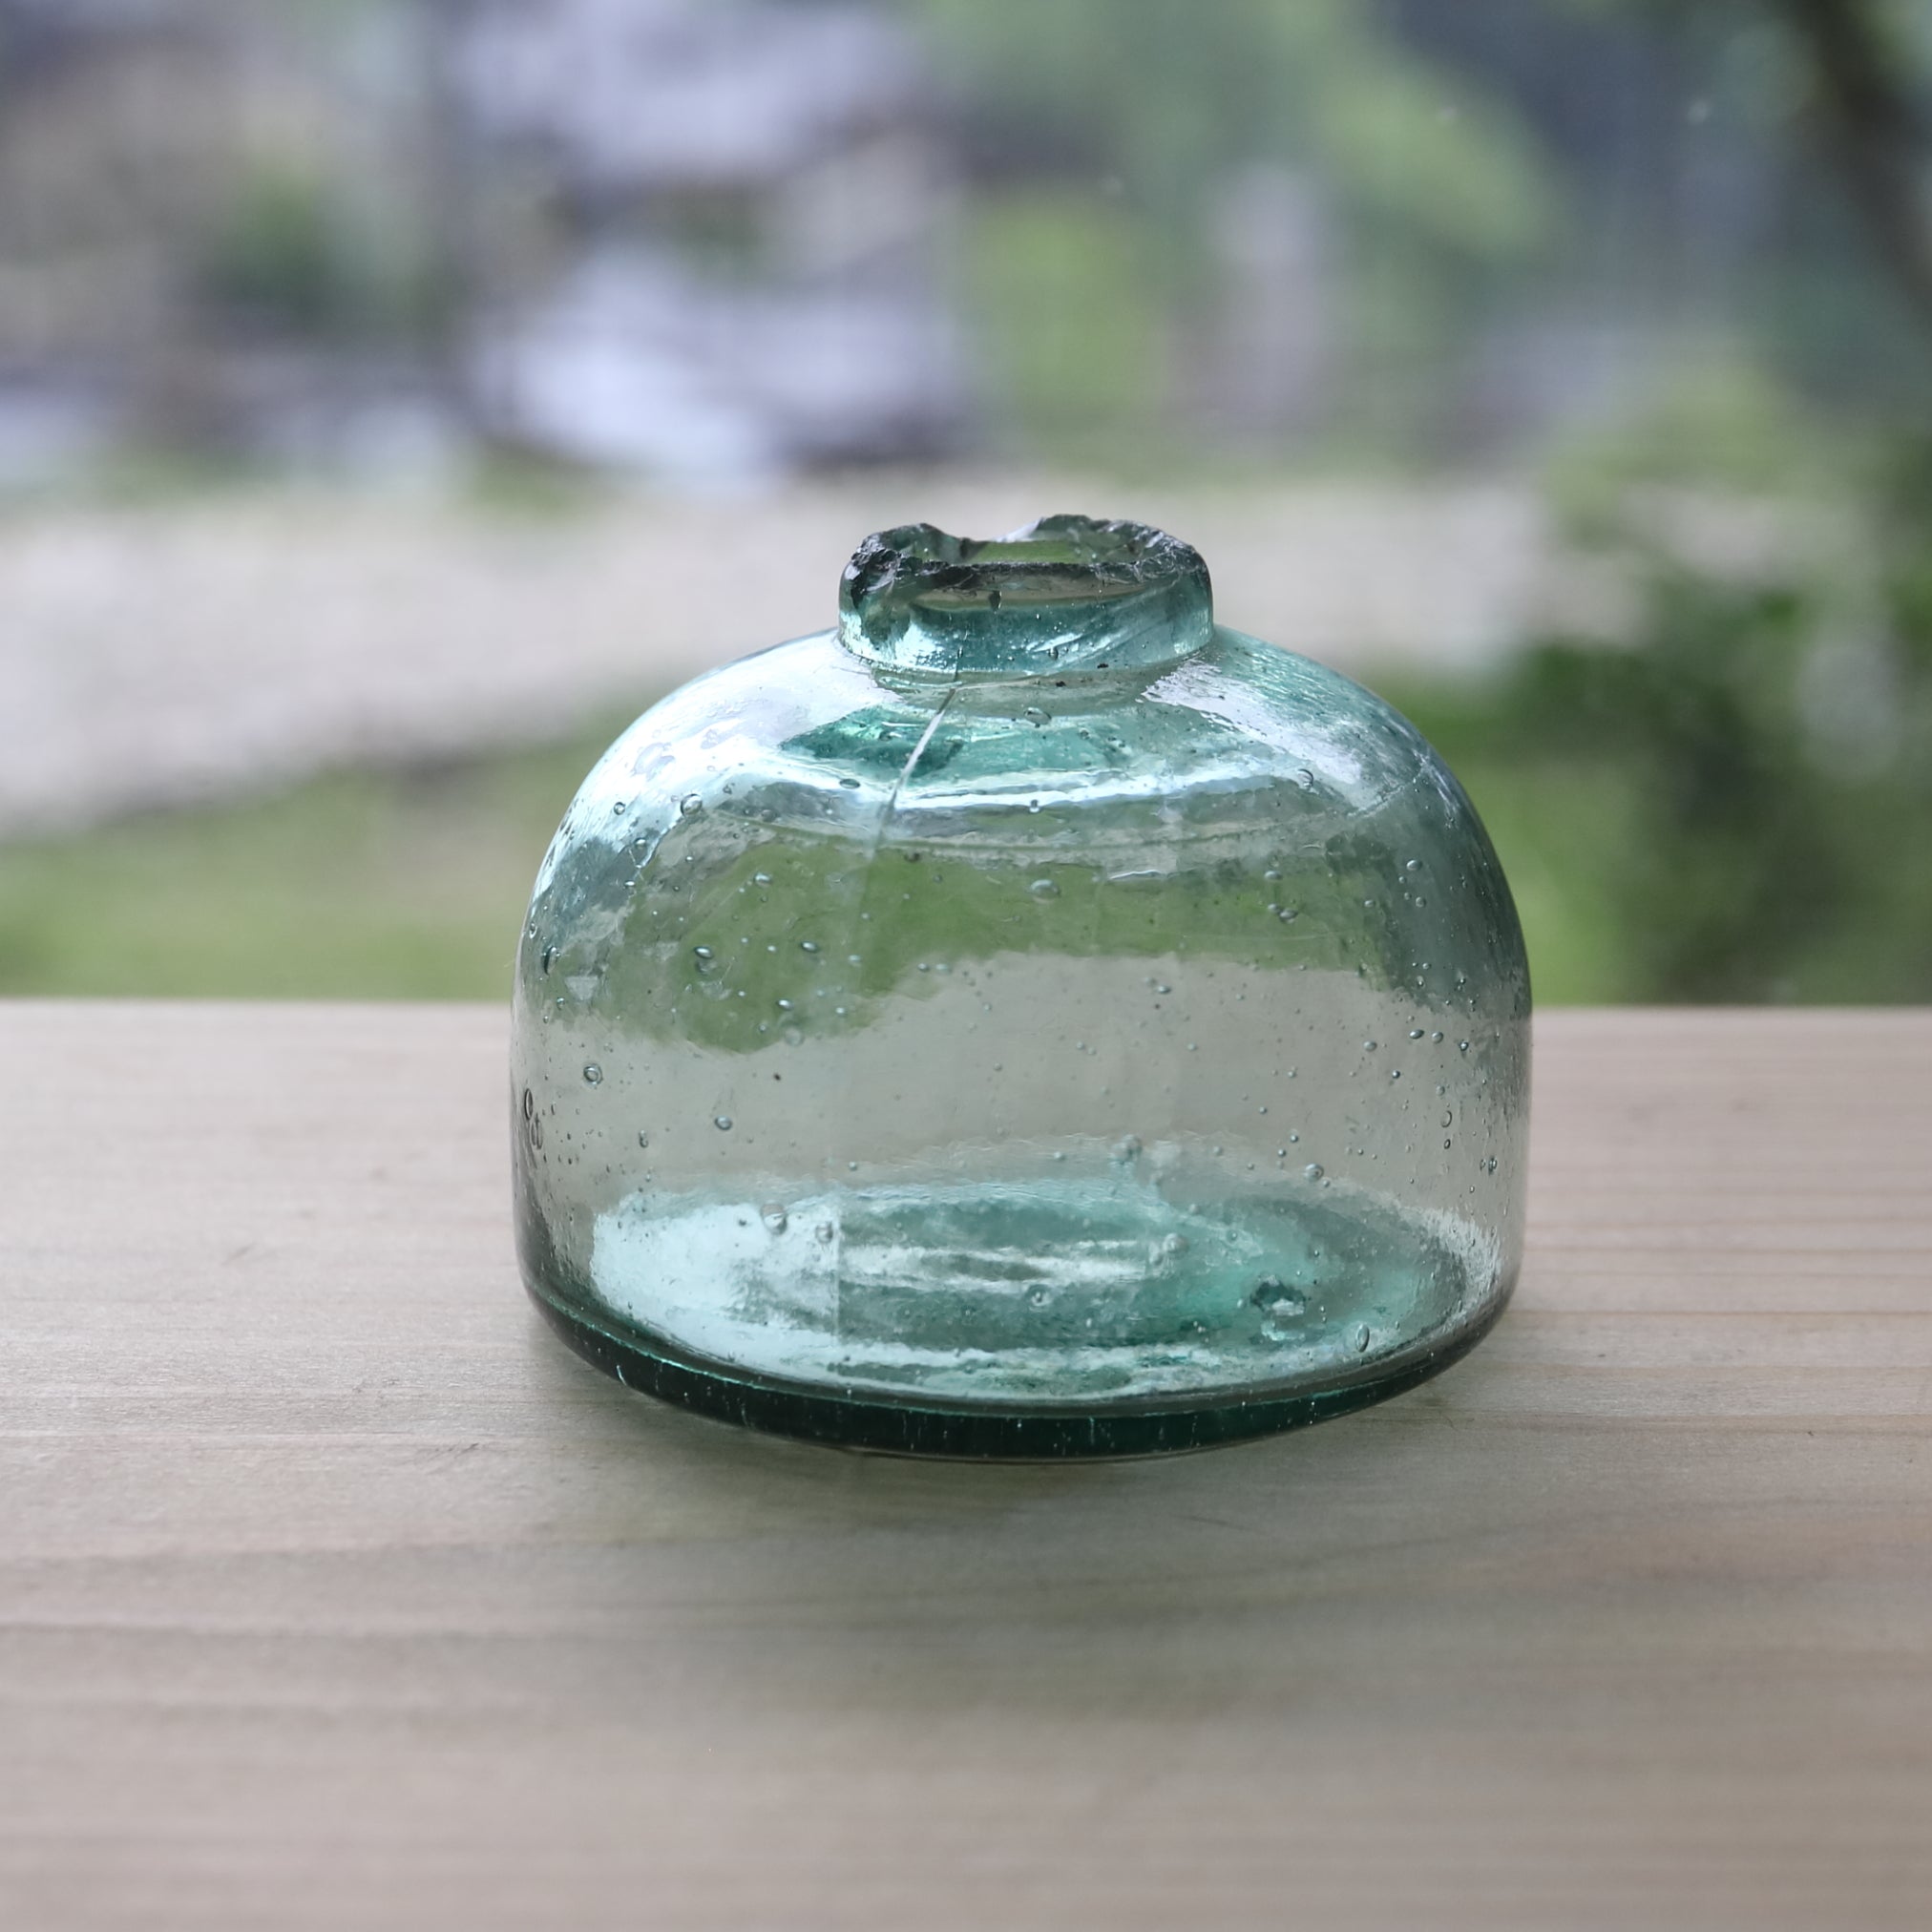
(1027, 1020)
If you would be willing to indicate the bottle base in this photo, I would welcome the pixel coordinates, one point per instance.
(988, 1433)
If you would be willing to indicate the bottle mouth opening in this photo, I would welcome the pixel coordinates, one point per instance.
(1064, 594)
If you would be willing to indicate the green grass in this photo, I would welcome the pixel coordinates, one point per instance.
(413, 885)
(359, 885)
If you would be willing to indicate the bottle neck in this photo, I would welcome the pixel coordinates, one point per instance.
(1066, 595)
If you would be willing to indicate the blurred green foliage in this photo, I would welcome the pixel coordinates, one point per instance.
(390, 885)
(1718, 418)
(1161, 99)
(1061, 290)
(1760, 758)
(294, 252)
(1107, 126)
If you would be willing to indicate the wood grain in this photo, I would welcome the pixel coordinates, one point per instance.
(334, 1592)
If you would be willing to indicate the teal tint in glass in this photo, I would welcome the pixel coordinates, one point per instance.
(1027, 1020)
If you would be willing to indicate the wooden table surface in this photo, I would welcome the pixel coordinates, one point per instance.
(333, 1592)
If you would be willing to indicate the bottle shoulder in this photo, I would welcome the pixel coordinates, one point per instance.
(807, 735)
(1244, 772)
(809, 708)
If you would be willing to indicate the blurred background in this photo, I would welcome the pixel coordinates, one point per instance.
(397, 395)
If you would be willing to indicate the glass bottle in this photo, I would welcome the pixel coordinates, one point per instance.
(1025, 1020)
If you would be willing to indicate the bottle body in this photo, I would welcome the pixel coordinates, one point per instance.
(1022, 1064)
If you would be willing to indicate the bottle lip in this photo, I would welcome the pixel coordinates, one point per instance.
(1064, 594)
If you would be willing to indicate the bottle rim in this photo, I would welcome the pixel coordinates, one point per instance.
(1064, 594)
